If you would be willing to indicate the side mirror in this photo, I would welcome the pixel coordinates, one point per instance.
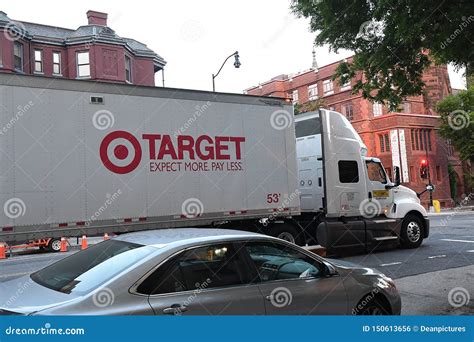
(396, 171)
(330, 270)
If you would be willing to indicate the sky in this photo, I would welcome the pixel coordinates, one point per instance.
(195, 37)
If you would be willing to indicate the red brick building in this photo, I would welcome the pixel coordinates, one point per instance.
(93, 51)
(401, 138)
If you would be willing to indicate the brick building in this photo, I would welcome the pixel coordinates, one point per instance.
(93, 51)
(401, 138)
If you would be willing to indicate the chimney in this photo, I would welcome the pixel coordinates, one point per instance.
(97, 18)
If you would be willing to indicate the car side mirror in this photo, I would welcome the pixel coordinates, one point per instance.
(396, 171)
(330, 270)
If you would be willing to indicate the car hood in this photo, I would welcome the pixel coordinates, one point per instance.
(24, 296)
(349, 267)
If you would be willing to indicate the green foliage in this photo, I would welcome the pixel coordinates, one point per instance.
(457, 121)
(309, 106)
(389, 38)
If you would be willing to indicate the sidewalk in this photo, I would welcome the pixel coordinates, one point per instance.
(428, 293)
(454, 211)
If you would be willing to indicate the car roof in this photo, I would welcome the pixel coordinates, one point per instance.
(186, 236)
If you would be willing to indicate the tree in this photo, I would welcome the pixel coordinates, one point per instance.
(309, 106)
(391, 40)
(457, 124)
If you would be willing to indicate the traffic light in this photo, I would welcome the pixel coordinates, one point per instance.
(424, 169)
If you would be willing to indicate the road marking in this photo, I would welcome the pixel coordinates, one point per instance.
(453, 240)
(392, 263)
(470, 251)
(437, 256)
(14, 274)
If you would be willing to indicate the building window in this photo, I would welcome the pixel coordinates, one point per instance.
(18, 56)
(57, 63)
(1, 55)
(449, 147)
(313, 92)
(406, 107)
(128, 69)
(421, 140)
(377, 109)
(346, 86)
(83, 64)
(384, 142)
(295, 96)
(328, 87)
(348, 111)
(39, 61)
(438, 173)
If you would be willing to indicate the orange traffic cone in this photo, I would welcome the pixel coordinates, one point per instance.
(63, 244)
(3, 254)
(106, 236)
(84, 242)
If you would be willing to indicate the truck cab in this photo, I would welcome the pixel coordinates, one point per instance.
(358, 206)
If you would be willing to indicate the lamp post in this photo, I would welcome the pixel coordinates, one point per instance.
(236, 65)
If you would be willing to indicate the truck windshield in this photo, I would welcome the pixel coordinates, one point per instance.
(376, 172)
(86, 270)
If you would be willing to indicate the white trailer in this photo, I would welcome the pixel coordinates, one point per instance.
(80, 157)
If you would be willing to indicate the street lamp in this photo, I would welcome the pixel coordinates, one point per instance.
(236, 65)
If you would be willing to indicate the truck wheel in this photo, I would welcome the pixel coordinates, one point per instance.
(287, 232)
(54, 245)
(412, 232)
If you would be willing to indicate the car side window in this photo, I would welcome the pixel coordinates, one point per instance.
(196, 269)
(278, 262)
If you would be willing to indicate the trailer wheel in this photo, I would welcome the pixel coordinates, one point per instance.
(54, 245)
(412, 232)
(287, 232)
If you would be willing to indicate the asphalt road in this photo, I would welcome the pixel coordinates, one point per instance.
(450, 245)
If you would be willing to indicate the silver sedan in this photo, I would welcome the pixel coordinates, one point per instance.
(197, 271)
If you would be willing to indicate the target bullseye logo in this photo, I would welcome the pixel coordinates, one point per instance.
(120, 152)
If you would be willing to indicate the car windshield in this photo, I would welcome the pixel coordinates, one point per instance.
(86, 270)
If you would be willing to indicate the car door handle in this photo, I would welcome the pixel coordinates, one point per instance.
(175, 309)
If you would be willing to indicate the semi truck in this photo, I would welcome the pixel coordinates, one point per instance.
(87, 158)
